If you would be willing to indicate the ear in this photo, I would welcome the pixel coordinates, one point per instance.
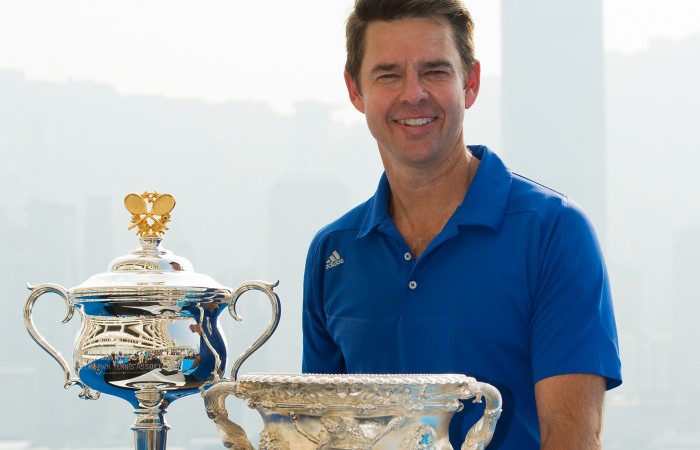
(354, 93)
(471, 91)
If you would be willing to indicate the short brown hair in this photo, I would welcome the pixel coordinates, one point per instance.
(367, 11)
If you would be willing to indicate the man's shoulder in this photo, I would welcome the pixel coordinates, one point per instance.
(529, 195)
(553, 209)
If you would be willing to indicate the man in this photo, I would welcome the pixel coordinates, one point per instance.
(457, 265)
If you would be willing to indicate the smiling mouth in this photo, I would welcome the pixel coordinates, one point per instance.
(416, 122)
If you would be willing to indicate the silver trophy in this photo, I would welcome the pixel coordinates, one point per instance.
(150, 330)
(358, 412)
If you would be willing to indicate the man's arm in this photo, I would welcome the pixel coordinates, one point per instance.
(320, 352)
(570, 410)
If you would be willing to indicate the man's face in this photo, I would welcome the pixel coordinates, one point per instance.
(413, 91)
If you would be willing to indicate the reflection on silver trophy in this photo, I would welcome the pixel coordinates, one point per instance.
(150, 329)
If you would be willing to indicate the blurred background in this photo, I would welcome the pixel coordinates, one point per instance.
(239, 110)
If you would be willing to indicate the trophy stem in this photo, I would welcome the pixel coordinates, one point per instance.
(150, 428)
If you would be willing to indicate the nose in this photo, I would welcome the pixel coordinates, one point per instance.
(413, 91)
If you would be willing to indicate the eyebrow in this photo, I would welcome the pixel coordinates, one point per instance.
(390, 67)
(383, 68)
(439, 64)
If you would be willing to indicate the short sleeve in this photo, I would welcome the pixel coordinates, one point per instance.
(573, 324)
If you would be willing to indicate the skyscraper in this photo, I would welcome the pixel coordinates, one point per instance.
(553, 98)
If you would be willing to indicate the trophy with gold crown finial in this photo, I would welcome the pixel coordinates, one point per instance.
(150, 329)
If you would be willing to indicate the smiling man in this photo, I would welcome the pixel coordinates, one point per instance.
(456, 264)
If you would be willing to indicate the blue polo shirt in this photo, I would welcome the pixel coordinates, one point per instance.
(514, 289)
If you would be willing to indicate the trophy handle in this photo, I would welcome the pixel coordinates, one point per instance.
(267, 288)
(481, 433)
(232, 435)
(36, 292)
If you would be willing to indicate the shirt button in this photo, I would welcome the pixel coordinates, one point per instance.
(412, 285)
(407, 256)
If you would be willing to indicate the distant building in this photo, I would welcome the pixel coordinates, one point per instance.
(686, 308)
(53, 242)
(553, 98)
(99, 226)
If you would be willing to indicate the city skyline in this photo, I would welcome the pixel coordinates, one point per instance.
(253, 186)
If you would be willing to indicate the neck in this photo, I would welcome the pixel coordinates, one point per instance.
(422, 203)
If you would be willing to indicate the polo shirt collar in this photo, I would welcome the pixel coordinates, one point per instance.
(487, 198)
(377, 212)
(484, 205)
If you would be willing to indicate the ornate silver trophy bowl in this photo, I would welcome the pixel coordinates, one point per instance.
(354, 412)
(150, 329)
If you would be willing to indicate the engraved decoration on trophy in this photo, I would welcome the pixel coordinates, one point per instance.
(150, 331)
(361, 412)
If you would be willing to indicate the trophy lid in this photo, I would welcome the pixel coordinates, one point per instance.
(150, 272)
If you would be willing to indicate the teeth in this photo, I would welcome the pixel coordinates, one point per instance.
(416, 122)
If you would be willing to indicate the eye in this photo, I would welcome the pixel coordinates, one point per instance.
(437, 73)
(387, 77)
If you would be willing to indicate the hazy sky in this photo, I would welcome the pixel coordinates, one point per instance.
(219, 50)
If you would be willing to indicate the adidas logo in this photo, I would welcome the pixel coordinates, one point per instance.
(334, 260)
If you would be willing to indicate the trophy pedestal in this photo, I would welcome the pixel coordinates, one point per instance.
(150, 428)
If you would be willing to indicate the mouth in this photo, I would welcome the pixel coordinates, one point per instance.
(416, 122)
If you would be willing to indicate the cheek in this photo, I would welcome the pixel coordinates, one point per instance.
(374, 124)
(458, 102)
(376, 112)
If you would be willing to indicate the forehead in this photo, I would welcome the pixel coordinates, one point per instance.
(409, 40)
